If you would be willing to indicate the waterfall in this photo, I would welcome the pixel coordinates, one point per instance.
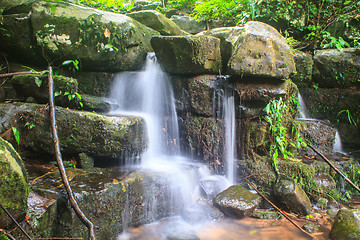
(230, 132)
(302, 111)
(148, 94)
(337, 144)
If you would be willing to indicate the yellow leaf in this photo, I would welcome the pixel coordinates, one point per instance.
(115, 181)
(107, 33)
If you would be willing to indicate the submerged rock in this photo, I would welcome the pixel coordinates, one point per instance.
(158, 22)
(261, 51)
(190, 55)
(337, 69)
(14, 189)
(291, 195)
(236, 201)
(346, 225)
(78, 131)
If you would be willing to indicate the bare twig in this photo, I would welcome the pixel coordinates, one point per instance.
(278, 209)
(24, 18)
(59, 161)
(13, 219)
(18, 73)
(6, 234)
(335, 168)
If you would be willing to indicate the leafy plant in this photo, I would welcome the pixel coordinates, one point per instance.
(16, 134)
(29, 125)
(74, 64)
(349, 117)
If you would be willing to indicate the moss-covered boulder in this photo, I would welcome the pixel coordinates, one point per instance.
(65, 91)
(236, 201)
(190, 55)
(337, 69)
(99, 40)
(346, 225)
(292, 196)
(157, 21)
(78, 131)
(14, 189)
(304, 69)
(188, 24)
(15, 6)
(228, 37)
(261, 51)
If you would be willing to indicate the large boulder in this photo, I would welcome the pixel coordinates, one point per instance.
(78, 131)
(337, 69)
(261, 51)
(236, 201)
(292, 196)
(188, 24)
(188, 54)
(157, 21)
(346, 225)
(59, 31)
(228, 37)
(14, 189)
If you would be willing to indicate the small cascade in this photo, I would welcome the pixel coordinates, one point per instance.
(230, 131)
(338, 145)
(302, 111)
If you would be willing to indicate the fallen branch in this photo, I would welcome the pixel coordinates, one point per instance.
(278, 209)
(59, 161)
(18, 73)
(24, 18)
(335, 168)
(6, 234)
(13, 219)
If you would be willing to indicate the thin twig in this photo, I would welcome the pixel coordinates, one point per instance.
(13, 219)
(18, 73)
(335, 168)
(6, 234)
(59, 161)
(24, 18)
(278, 209)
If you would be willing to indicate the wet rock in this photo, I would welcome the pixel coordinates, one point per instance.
(190, 55)
(261, 51)
(85, 161)
(236, 201)
(145, 5)
(99, 40)
(188, 24)
(13, 184)
(78, 131)
(201, 212)
(311, 227)
(319, 134)
(346, 225)
(157, 21)
(266, 214)
(291, 195)
(322, 203)
(325, 182)
(304, 67)
(337, 69)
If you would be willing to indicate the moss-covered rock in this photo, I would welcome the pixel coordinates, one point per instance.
(158, 22)
(346, 225)
(99, 40)
(78, 131)
(16, 6)
(14, 189)
(190, 55)
(304, 68)
(337, 69)
(261, 51)
(236, 201)
(188, 24)
(292, 196)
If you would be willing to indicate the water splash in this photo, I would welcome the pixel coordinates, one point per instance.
(338, 148)
(303, 110)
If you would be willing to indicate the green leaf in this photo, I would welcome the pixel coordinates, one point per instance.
(38, 81)
(67, 62)
(57, 94)
(16, 134)
(81, 104)
(347, 2)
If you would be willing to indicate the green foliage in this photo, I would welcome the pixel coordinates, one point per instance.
(281, 141)
(16, 134)
(349, 117)
(73, 64)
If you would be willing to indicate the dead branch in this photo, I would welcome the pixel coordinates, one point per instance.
(13, 219)
(59, 161)
(335, 168)
(278, 209)
(24, 18)
(6, 234)
(18, 73)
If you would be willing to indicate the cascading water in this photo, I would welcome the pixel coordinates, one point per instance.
(148, 94)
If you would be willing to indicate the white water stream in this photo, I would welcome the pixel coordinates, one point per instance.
(148, 94)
